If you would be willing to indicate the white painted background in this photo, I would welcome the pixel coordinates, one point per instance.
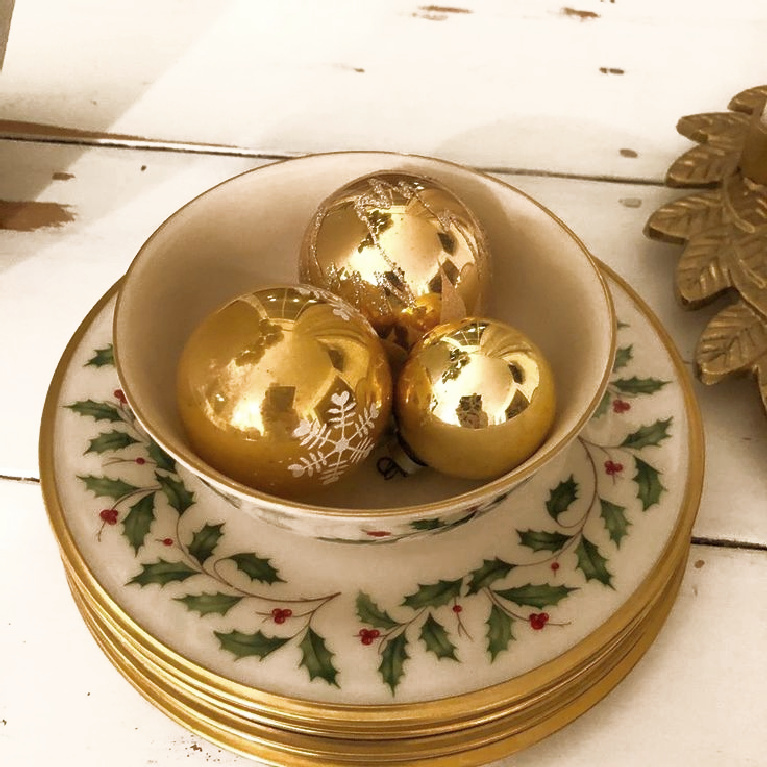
(136, 107)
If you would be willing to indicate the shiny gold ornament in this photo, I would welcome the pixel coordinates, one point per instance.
(475, 399)
(725, 230)
(403, 250)
(284, 389)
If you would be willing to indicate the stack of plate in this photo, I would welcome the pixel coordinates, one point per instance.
(457, 648)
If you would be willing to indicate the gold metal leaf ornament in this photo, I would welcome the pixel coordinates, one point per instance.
(724, 229)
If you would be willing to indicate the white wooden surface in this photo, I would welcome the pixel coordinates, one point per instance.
(574, 103)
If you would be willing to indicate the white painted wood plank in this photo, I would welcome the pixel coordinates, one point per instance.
(590, 87)
(697, 697)
(50, 277)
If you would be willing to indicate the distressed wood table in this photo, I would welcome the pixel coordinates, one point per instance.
(114, 115)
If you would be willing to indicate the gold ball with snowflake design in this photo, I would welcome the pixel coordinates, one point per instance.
(285, 389)
(475, 398)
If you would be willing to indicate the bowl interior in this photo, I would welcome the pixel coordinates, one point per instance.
(247, 232)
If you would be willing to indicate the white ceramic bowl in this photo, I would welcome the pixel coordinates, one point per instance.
(247, 232)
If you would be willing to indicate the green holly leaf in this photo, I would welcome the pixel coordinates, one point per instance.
(615, 519)
(592, 563)
(102, 357)
(393, 657)
(206, 604)
(535, 595)
(372, 615)
(101, 411)
(160, 457)
(434, 594)
(437, 639)
(175, 491)
(138, 521)
(542, 540)
(243, 645)
(317, 659)
(204, 542)
(604, 405)
(162, 572)
(427, 524)
(649, 487)
(648, 436)
(623, 356)
(110, 441)
(256, 568)
(492, 570)
(104, 487)
(639, 385)
(499, 631)
(562, 496)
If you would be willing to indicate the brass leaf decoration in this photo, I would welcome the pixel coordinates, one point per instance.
(702, 272)
(733, 342)
(724, 230)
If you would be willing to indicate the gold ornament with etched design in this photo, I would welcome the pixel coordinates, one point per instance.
(475, 399)
(402, 249)
(725, 228)
(284, 389)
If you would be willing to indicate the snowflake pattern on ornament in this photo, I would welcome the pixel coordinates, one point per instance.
(339, 443)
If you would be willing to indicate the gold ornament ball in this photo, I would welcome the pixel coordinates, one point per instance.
(402, 249)
(475, 399)
(284, 389)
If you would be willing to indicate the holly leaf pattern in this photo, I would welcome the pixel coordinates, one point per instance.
(535, 595)
(427, 524)
(176, 492)
(162, 572)
(499, 631)
(102, 357)
(615, 520)
(603, 406)
(636, 385)
(256, 568)
(204, 542)
(434, 594)
(591, 562)
(393, 657)
(562, 497)
(160, 457)
(110, 441)
(138, 521)
(649, 487)
(316, 658)
(372, 615)
(623, 356)
(491, 570)
(105, 487)
(542, 540)
(648, 436)
(243, 645)
(436, 639)
(205, 604)
(100, 411)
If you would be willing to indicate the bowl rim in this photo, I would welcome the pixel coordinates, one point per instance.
(481, 494)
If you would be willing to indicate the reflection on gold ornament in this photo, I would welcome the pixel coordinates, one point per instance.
(475, 399)
(284, 389)
(403, 250)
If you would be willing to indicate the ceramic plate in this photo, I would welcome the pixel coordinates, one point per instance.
(430, 628)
